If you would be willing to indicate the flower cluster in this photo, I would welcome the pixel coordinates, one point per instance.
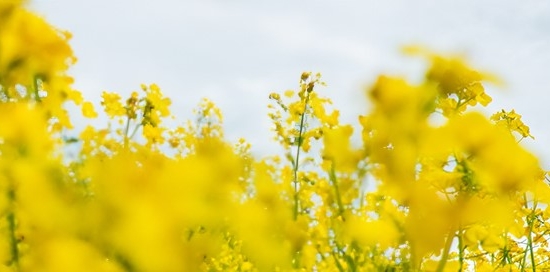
(459, 195)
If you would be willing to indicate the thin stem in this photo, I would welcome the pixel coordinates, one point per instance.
(361, 199)
(126, 131)
(446, 251)
(460, 103)
(337, 262)
(460, 249)
(338, 252)
(297, 160)
(529, 249)
(530, 242)
(134, 131)
(12, 229)
(334, 180)
(506, 258)
(523, 261)
(35, 89)
(296, 260)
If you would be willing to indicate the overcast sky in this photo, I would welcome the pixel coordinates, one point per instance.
(236, 52)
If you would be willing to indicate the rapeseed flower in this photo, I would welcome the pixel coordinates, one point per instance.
(459, 195)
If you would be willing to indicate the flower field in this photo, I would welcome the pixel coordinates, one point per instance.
(433, 185)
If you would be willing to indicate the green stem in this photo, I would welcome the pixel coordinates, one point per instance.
(524, 259)
(126, 131)
(460, 249)
(297, 160)
(505, 253)
(35, 89)
(134, 131)
(14, 250)
(337, 262)
(530, 242)
(334, 180)
(530, 220)
(446, 251)
(296, 260)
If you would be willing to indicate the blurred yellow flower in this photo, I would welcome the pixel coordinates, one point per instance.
(88, 110)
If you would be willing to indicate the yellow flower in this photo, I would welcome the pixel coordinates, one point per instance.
(274, 96)
(112, 105)
(337, 148)
(32, 48)
(379, 233)
(289, 93)
(153, 134)
(88, 110)
(429, 221)
(159, 102)
(319, 111)
(452, 75)
(512, 121)
(474, 235)
(207, 205)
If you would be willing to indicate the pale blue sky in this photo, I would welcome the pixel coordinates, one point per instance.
(237, 52)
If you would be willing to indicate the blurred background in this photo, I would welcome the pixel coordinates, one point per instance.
(236, 52)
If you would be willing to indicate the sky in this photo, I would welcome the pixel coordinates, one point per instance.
(236, 52)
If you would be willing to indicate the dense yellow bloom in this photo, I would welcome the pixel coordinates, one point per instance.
(135, 195)
(112, 105)
(31, 48)
(156, 105)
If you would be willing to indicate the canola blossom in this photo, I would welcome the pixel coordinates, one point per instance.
(138, 195)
